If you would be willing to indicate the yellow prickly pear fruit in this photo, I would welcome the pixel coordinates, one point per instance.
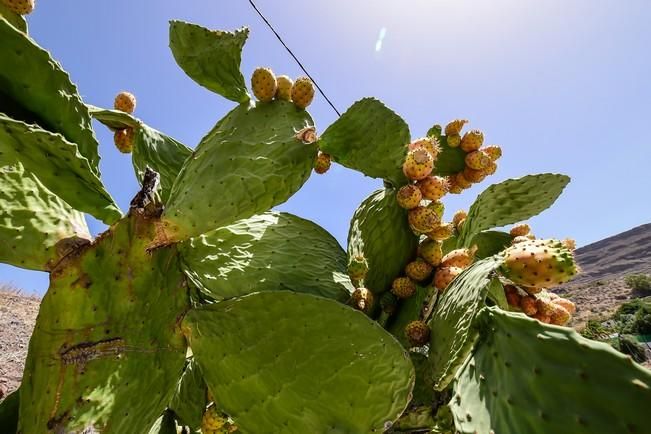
(417, 333)
(441, 232)
(263, 83)
(125, 102)
(528, 305)
(284, 88)
(433, 187)
(409, 196)
(461, 181)
(430, 144)
(459, 217)
(444, 276)
(461, 258)
(212, 419)
(123, 140)
(322, 163)
(418, 270)
(302, 92)
(493, 151)
(474, 176)
(362, 299)
(477, 160)
(455, 127)
(422, 219)
(431, 251)
(418, 164)
(21, 7)
(454, 140)
(472, 140)
(567, 304)
(403, 287)
(520, 230)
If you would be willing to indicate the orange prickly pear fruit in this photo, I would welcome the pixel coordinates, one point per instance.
(403, 287)
(474, 176)
(461, 181)
(513, 296)
(418, 164)
(520, 230)
(422, 219)
(125, 102)
(444, 276)
(567, 304)
(430, 144)
(528, 305)
(461, 258)
(490, 169)
(21, 7)
(409, 196)
(362, 299)
(418, 270)
(433, 187)
(417, 333)
(454, 127)
(472, 140)
(302, 92)
(322, 163)
(123, 140)
(493, 151)
(477, 160)
(284, 88)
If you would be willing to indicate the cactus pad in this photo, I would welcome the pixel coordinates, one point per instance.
(490, 243)
(114, 119)
(9, 409)
(379, 231)
(211, 57)
(511, 201)
(451, 324)
(266, 252)
(315, 381)
(190, 397)
(528, 377)
(16, 20)
(166, 424)
(37, 83)
(59, 166)
(410, 310)
(36, 227)
(250, 162)
(106, 336)
(449, 160)
(371, 138)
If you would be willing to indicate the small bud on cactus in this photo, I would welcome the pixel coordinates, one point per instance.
(520, 230)
(418, 164)
(477, 160)
(431, 251)
(123, 140)
(441, 232)
(284, 88)
(433, 187)
(417, 333)
(458, 217)
(422, 219)
(409, 196)
(567, 304)
(125, 102)
(418, 270)
(455, 127)
(493, 151)
(302, 92)
(322, 163)
(357, 268)
(528, 305)
(21, 7)
(461, 258)
(474, 176)
(403, 287)
(388, 303)
(539, 263)
(263, 83)
(454, 140)
(570, 244)
(430, 144)
(307, 135)
(362, 299)
(444, 276)
(472, 140)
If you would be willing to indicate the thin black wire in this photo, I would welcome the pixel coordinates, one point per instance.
(295, 58)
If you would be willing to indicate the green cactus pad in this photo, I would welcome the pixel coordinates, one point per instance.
(512, 201)
(410, 310)
(450, 160)
(37, 83)
(417, 419)
(114, 119)
(452, 334)
(496, 294)
(250, 162)
(166, 424)
(9, 409)
(490, 243)
(528, 377)
(335, 371)
(16, 20)
(423, 393)
(371, 138)
(211, 57)
(379, 231)
(107, 350)
(36, 227)
(266, 252)
(190, 397)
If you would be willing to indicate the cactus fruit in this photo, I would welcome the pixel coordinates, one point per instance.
(513, 296)
(431, 251)
(409, 196)
(284, 88)
(357, 268)
(123, 140)
(454, 140)
(418, 270)
(458, 218)
(125, 102)
(422, 219)
(461, 258)
(430, 144)
(302, 92)
(490, 169)
(472, 140)
(263, 84)
(322, 163)
(461, 180)
(493, 151)
(403, 287)
(520, 230)
(22, 7)
(433, 187)
(362, 299)
(441, 232)
(528, 305)
(444, 276)
(418, 164)
(455, 127)
(559, 315)
(474, 176)
(212, 419)
(539, 263)
(454, 188)
(417, 333)
(477, 160)
(565, 303)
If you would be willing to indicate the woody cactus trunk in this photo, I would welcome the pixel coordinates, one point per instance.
(200, 308)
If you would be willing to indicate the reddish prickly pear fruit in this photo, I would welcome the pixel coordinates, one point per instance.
(520, 230)
(567, 304)
(433, 187)
(357, 267)
(362, 299)
(454, 140)
(388, 303)
(570, 244)
(490, 168)
(474, 176)
(322, 163)
(422, 219)
(123, 140)
(417, 333)
(477, 160)
(458, 217)
(403, 287)
(543, 318)
(539, 263)
(418, 270)
(431, 251)
(441, 232)
(263, 83)
(444, 276)
(544, 306)
(284, 88)
(560, 315)
(528, 305)
(430, 144)
(409, 196)
(302, 92)
(125, 102)
(472, 140)
(493, 151)
(21, 7)
(513, 296)
(461, 258)
(418, 164)
(455, 127)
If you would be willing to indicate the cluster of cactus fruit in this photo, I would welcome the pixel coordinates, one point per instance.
(201, 310)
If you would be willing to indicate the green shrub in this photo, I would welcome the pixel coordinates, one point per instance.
(628, 345)
(638, 282)
(595, 329)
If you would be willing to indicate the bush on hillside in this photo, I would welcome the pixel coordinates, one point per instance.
(638, 282)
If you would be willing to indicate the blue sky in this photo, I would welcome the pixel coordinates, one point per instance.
(563, 86)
